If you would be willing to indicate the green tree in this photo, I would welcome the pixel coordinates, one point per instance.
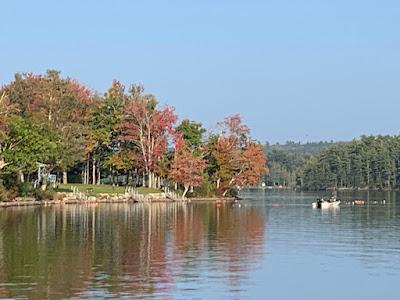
(30, 145)
(61, 103)
(192, 133)
(103, 139)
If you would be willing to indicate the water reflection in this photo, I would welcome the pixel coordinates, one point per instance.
(275, 245)
(368, 234)
(121, 250)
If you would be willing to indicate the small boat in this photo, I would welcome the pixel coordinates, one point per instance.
(322, 203)
(327, 204)
(359, 202)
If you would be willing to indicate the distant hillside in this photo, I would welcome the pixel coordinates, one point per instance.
(309, 148)
(286, 161)
(368, 162)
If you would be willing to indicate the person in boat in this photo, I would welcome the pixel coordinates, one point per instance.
(333, 197)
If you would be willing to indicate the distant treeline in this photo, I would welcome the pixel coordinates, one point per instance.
(285, 161)
(371, 162)
(309, 148)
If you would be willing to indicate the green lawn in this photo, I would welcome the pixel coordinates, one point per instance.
(103, 189)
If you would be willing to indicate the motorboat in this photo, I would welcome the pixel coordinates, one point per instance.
(323, 203)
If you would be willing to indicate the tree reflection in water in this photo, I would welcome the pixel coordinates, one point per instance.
(121, 249)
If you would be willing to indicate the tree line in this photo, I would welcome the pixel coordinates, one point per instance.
(64, 127)
(370, 162)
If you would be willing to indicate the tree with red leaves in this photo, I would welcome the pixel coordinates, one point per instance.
(148, 129)
(187, 169)
(6, 108)
(252, 163)
(238, 160)
(63, 104)
(124, 133)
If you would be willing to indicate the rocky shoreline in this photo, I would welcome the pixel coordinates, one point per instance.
(72, 198)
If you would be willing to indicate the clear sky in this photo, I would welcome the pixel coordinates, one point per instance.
(300, 70)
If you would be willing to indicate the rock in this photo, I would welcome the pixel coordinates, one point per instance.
(103, 196)
(24, 199)
(70, 198)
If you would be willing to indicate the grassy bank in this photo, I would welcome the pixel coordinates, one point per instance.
(103, 189)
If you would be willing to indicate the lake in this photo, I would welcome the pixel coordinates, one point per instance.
(273, 245)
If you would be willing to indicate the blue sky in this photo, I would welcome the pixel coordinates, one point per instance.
(295, 70)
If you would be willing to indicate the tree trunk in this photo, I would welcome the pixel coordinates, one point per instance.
(159, 182)
(98, 172)
(43, 185)
(185, 191)
(144, 180)
(154, 181)
(150, 181)
(83, 176)
(65, 177)
(21, 178)
(94, 171)
(2, 163)
(87, 169)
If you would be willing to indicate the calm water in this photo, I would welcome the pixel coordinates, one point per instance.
(273, 246)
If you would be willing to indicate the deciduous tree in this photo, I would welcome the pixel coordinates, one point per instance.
(63, 104)
(147, 128)
(238, 160)
(187, 169)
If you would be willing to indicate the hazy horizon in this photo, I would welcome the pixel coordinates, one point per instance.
(293, 70)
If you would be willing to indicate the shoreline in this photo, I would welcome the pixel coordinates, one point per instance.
(341, 189)
(94, 200)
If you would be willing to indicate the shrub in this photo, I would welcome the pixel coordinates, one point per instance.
(3, 194)
(207, 188)
(10, 194)
(233, 192)
(43, 195)
(25, 189)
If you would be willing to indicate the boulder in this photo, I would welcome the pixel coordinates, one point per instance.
(19, 199)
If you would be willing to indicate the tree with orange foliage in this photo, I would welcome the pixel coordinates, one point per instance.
(187, 169)
(238, 160)
(252, 163)
(6, 108)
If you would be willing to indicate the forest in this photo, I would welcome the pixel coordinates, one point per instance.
(50, 125)
(369, 162)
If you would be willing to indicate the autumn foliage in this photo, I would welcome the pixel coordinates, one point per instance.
(122, 134)
(187, 169)
(147, 128)
(239, 161)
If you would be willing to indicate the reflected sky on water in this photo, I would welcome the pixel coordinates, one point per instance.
(273, 245)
